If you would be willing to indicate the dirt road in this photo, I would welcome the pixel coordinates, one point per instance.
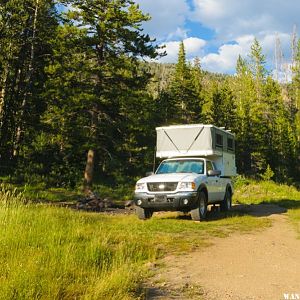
(261, 265)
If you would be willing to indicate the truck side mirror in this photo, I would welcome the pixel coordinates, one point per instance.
(149, 173)
(214, 173)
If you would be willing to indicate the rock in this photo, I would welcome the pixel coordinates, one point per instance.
(93, 202)
(129, 204)
(107, 203)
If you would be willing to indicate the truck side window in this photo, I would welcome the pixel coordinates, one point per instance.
(209, 166)
(214, 165)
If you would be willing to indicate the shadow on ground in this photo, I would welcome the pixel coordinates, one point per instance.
(266, 209)
(256, 210)
(286, 203)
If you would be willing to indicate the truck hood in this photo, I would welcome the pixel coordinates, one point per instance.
(172, 177)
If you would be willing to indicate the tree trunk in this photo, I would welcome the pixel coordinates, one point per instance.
(3, 91)
(90, 163)
(89, 171)
(28, 87)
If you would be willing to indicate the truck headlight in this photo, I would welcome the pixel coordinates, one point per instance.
(140, 187)
(187, 186)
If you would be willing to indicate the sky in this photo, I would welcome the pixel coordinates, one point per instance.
(217, 31)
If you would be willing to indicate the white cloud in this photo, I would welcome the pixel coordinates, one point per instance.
(168, 18)
(193, 47)
(226, 57)
(233, 18)
(180, 33)
(225, 60)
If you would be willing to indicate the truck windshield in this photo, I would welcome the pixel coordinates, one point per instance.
(181, 166)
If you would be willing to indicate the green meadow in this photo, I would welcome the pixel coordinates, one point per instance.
(50, 252)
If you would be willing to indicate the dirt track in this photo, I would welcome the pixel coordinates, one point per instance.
(261, 265)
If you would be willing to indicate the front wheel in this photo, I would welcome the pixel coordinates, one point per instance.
(199, 213)
(227, 202)
(143, 213)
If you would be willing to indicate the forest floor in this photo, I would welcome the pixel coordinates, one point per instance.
(263, 264)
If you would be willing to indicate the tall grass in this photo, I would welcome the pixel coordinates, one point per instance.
(10, 197)
(255, 192)
(53, 253)
(56, 253)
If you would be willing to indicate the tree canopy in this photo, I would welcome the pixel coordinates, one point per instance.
(79, 99)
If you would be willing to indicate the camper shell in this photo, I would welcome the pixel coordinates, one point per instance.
(198, 140)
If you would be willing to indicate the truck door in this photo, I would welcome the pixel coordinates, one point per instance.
(212, 183)
(221, 186)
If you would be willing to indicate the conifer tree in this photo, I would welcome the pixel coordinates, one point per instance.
(223, 110)
(105, 66)
(296, 88)
(265, 132)
(184, 92)
(244, 93)
(26, 30)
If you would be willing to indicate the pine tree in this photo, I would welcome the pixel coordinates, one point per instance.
(265, 132)
(105, 67)
(257, 62)
(244, 92)
(197, 80)
(223, 109)
(260, 116)
(296, 88)
(185, 91)
(26, 30)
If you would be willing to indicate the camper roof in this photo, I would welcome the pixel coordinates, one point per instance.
(194, 126)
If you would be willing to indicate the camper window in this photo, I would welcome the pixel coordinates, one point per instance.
(219, 140)
(230, 145)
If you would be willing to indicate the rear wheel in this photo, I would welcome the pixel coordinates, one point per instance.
(199, 213)
(227, 202)
(143, 213)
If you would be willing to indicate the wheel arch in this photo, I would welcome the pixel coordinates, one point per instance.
(229, 188)
(203, 188)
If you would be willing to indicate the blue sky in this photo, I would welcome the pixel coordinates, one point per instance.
(218, 31)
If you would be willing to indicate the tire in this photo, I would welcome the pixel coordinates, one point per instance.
(199, 213)
(143, 213)
(227, 202)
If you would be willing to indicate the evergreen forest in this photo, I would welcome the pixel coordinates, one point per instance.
(82, 90)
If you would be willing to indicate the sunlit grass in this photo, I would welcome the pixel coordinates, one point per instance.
(256, 192)
(57, 253)
(269, 192)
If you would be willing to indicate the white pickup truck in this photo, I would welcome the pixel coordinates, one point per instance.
(189, 183)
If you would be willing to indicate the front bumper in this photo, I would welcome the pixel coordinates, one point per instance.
(183, 201)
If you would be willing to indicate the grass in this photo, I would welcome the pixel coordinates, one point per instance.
(41, 193)
(57, 253)
(294, 215)
(269, 192)
(257, 192)
(36, 194)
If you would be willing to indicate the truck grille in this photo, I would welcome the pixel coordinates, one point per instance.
(162, 186)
